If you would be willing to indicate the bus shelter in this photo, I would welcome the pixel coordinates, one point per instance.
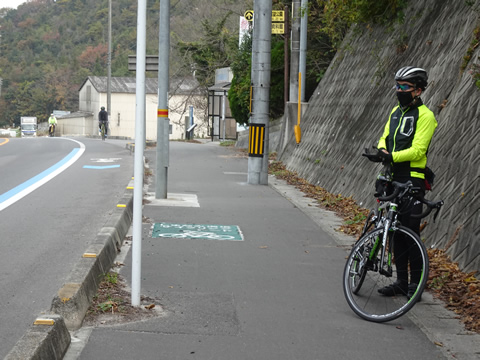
(223, 125)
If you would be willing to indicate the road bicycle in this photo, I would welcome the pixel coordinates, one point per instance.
(370, 265)
(102, 130)
(51, 130)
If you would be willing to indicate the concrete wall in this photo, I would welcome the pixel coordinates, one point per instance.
(351, 105)
(81, 125)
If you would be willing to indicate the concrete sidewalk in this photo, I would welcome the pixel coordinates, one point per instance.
(272, 290)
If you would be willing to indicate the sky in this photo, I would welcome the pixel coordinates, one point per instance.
(11, 3)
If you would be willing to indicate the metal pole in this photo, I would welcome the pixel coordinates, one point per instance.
(295, 49)
(261, 68)
(223, 114)
(139, 146)
(190, 120)
(286, 79)
(303, 47)
(163, 124)
(109, 61)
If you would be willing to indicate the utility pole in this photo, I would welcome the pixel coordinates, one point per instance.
(286, 60)
(163, 124)
(261, 68)
(109, 61)
(302, 67)
(139, 150)
(295, 50)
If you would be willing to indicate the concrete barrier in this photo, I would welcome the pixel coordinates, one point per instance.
(75, 296)
(47, 339)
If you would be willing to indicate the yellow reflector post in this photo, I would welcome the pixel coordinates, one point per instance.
(256, 140)
(44, 322)
(298, 133)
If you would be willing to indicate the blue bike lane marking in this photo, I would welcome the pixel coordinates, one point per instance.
(22, 190)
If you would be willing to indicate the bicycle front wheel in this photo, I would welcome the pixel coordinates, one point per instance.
(363, 277)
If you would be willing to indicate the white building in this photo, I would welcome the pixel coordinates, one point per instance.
(183, 93)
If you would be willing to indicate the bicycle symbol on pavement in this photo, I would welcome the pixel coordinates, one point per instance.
(193, 231)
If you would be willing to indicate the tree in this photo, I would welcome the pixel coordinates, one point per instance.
(210, 53)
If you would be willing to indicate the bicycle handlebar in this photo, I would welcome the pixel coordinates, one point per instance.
(430, 206)
(398, 188)
(408, 187)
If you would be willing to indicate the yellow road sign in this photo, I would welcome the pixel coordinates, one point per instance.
(278, 15)
(278, 28)
(248, 15)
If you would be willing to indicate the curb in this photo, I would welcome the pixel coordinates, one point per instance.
(74, 298)
(49, 338)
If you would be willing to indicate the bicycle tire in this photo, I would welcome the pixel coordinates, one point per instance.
(361, 294)
(103, 131)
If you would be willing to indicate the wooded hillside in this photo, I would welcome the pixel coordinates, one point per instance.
(49, 47)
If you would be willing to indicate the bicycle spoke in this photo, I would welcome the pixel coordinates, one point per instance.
(362, 293)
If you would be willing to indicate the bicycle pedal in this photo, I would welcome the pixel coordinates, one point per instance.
(386, 272)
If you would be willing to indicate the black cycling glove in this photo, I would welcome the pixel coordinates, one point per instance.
(386, 158)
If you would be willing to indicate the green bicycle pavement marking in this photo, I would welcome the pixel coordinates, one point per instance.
(195, 231)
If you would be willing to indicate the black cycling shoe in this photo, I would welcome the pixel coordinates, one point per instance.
(411, 291)
(394, 289)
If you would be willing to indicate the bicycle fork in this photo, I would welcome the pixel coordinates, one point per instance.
(386, 259)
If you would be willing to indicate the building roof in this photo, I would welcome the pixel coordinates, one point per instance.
(222, 86)
(178, 85)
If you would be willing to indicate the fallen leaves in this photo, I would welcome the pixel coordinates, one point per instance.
(459, 291)
(112, 304)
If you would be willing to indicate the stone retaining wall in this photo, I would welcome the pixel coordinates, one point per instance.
(351, 105)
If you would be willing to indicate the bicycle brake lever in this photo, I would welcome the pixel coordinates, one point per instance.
(439, 206)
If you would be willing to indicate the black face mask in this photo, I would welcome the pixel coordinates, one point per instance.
(404, 98)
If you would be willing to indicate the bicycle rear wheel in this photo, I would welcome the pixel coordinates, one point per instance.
(103, 131)
(362, 279)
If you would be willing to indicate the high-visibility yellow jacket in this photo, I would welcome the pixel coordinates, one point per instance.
(52, 120)
(407, 136)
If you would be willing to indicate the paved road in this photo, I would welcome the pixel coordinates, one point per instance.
(275, 295)
(45, 232)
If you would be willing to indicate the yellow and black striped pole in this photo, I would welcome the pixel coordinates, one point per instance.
(256, 140)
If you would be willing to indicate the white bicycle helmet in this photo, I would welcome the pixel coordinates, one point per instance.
(415, 75)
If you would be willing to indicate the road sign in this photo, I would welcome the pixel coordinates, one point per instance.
(151, 63)
(278, 28)
(278, 15)
(249, 15)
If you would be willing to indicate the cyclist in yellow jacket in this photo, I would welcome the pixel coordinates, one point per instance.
(404, 143)
(52, 124)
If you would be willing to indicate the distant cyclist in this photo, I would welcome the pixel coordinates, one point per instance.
(103, 119)
(52, 123)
